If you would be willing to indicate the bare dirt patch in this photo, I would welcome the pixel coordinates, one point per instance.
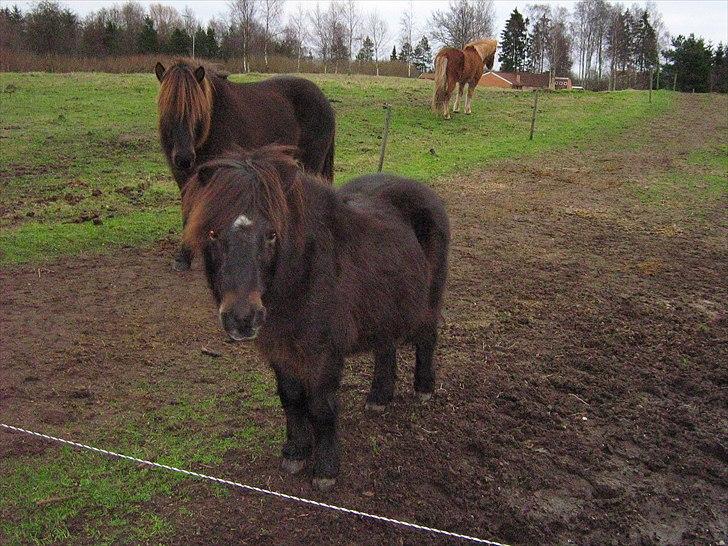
(582, 383)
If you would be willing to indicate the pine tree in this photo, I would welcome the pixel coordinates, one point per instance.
(213, 50)
(393, 56)
(180, 42)
(422, 56)
(148, 41)
(720, 69)
(405, 52)
(366, 53)
(691, 60)
(514, 44)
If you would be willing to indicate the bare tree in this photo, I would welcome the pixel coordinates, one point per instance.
(297, 23)
(463, 22)
(407, 27)
(378, 32)
(166, 19)
(352, 21)
(271, 11)
(244, 15)
(320, 33)
(132, 20)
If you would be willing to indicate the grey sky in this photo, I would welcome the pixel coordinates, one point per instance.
(706, 18)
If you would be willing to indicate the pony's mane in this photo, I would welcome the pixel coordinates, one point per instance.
(267, 179)
(182, 98)
(485, 47)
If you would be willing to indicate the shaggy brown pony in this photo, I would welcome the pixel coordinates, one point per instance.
(315, 274)
(201, 115)
(460, 66)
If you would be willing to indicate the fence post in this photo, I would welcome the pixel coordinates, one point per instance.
(533, 116)
(674, 82)
(651, 74)
(385, 134)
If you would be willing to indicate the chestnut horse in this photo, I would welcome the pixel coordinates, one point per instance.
(201, 115)
(460, 66)
(314, 274)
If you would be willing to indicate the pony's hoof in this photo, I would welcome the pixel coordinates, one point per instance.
(324, 484)
(180, 265)
(424, 396)
(375, 408)
(468, 113)
(293, 466)
(447, 116)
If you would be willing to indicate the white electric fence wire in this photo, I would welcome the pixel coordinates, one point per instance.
(257, 489)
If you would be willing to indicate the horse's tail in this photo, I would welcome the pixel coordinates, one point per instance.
(438, 98)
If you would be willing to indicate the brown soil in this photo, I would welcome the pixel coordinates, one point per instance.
(582, 382)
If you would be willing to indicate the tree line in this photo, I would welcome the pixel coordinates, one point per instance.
(609, 46)
(601, 45)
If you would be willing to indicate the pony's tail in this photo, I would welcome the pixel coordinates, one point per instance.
(438, 98)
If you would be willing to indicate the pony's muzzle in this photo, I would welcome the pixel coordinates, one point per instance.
(243, 327)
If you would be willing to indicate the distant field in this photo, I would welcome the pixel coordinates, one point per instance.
(81, 168)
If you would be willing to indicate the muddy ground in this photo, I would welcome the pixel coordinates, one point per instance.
(582, 365)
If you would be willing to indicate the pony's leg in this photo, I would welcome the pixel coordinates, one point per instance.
(385, 372)
(424, 366)
(298, 439)
(469, 99)
(456, 106)
(323, 413)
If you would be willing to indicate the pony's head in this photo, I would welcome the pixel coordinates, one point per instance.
(241, 209)
(185, 112)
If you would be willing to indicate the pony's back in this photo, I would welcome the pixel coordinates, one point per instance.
(423, 210)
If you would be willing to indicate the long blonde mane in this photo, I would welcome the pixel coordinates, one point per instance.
(484, 47)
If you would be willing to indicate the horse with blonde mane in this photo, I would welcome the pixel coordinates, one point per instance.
(461, 67)
(202, 115)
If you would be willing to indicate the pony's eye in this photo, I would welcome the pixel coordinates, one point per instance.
(270, 237)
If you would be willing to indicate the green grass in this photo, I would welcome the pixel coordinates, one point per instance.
(66, 494)
(79, 146)
(699, 179)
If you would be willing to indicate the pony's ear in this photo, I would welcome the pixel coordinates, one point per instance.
(159, 70)
(200, 74)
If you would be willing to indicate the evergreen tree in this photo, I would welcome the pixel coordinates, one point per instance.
(201, 49)
(180, 42)
(422, 56)
(366, 53)
(514, 44)
(720, 69)
(110, 38)
(405, 52)
(645, 44)
(691, 60)
(393, 56)
(213, 49)
(148, 39)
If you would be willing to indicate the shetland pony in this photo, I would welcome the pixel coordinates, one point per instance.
(201, 115)
(460, 66)
(314, 274)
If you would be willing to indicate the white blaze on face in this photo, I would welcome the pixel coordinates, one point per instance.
(242, 221)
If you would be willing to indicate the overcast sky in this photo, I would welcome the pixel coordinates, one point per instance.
(706, 18)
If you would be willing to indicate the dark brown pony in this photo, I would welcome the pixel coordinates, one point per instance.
(460, 66)
(315, 274)
(201, 115)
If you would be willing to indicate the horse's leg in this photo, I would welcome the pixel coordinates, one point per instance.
(298, 439)
(323, 412)
(424, 367)
(385, 371)
(469, 99)
(448, 95)
(456, 106)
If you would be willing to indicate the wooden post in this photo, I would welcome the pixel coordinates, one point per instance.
(674, 82)
(533, 116)
(651, 73)
(385, 134)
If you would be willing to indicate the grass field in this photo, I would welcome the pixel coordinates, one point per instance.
(81, 168)
(81, 171)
